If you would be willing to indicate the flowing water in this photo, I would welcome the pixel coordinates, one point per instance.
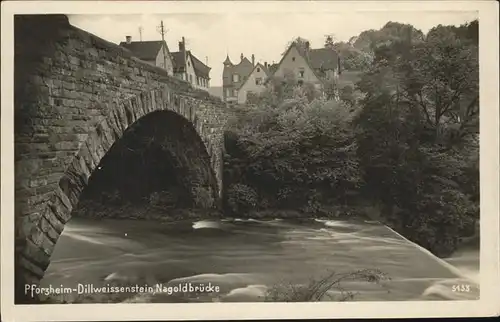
(245, 258)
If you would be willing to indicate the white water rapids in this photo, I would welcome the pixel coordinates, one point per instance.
(247, 257)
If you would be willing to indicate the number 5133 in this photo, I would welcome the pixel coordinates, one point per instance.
(461, 288)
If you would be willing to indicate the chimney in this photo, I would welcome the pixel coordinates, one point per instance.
(307, 50)
(265, 64)
(128, 39)
(253, 60)
(241, 56)
(182, 45)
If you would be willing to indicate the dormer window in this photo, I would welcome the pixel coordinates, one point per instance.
(293, 58)
(258, 69)
(236, 78)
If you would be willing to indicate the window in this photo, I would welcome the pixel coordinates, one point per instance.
(301, 82)
(258, 69)
(301, 73)
(293, 58)
(236, 78)
(189, 64)
(258, 81)
(235, 92)
(191, 78)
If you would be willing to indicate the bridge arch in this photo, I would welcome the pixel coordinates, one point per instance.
(152, 108)
(160, 163)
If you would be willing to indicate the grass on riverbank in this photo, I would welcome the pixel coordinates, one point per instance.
(142, 211)
(319, 289)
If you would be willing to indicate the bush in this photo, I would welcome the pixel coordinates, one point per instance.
(204, 197)
(241, 198)
(347, 95)
(297, 154)
(305, 148)
(319, 289)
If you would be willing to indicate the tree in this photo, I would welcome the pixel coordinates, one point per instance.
(419, 112)
(369, 40)
(329, 43)
(300, 42)
(364, 40)
(352, 57)
(441, 78)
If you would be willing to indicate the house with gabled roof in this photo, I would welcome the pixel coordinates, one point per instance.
(189, 68)
(316, 66)
(254, 83)
(234, 75)
(155, 52)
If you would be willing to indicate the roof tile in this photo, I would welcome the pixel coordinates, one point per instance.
(145, 50)
(200, 68)
(323, 58)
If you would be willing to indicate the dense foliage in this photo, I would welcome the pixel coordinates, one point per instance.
(408, 143)
(298, 155)
(417, 136)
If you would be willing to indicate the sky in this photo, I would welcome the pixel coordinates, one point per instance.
(214, 35)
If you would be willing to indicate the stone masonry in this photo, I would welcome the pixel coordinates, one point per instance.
(75, 95)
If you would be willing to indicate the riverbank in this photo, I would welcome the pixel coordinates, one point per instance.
(90, 209)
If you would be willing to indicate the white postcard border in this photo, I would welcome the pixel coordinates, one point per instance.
(488, 305)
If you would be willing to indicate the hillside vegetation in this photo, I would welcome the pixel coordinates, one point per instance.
(403, 139)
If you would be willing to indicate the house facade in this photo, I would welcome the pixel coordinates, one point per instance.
(189, 68)
(316, 66)
(154, 52)
(254, 83)
(234, 75)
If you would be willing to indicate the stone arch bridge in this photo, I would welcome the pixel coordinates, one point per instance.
(76, 95)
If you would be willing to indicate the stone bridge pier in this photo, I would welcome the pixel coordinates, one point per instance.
(76, 95)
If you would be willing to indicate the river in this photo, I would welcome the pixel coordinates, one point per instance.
(246, 258)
